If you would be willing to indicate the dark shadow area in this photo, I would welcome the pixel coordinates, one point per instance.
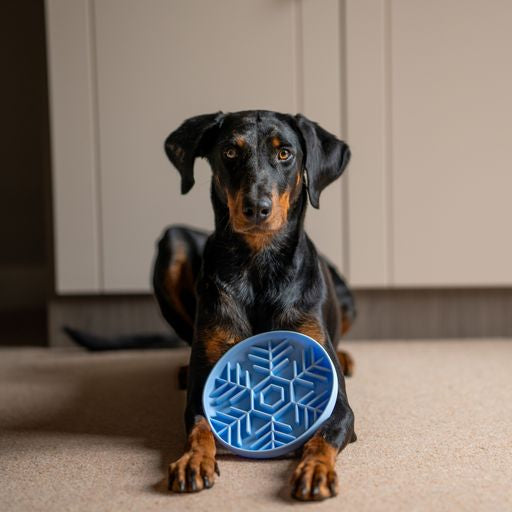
(23, 327)
(25, 203)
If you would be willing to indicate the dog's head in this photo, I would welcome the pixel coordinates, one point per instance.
(259, 159)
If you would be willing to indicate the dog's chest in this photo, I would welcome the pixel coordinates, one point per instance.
(267, 304)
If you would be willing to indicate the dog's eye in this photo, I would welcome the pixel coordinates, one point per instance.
(230, 153)
(283, 154)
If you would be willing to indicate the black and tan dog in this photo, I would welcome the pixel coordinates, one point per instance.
(258, 271)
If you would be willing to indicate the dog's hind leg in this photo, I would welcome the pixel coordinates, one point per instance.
(175, 274)
(347, 309)
(345, 299)
(346, 362)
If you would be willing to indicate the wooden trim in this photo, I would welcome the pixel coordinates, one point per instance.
(382, 314)
(433, 313)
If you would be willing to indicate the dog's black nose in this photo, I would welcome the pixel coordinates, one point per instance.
(257, 211)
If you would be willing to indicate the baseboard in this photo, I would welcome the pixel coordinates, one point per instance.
(433, 313)
(382, 314)
(112, 315)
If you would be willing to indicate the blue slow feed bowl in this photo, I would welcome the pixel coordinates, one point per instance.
(269, 393)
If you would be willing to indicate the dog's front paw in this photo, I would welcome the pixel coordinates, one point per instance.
(314, 479)
(193, 471)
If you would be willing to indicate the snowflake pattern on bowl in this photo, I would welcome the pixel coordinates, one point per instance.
(269, 393)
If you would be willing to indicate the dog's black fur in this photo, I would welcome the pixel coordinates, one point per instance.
(258, 271)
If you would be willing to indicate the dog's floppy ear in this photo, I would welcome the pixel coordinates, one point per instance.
(325, 157)
(189, 141)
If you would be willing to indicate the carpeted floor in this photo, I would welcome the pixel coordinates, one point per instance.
(94, 432)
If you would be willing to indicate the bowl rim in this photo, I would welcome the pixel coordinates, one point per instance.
(304, 339)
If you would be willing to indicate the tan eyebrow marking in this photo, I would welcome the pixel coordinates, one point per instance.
(240, 141)
(276, 142)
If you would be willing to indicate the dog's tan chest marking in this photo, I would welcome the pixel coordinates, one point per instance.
(312, 327)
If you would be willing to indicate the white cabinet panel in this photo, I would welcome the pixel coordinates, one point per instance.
(155, 68)
(451, 73)
(74, 170)
(429, 109)
(368, 133)
(322, 92)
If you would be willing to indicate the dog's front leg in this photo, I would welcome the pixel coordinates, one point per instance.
(195, 470)
(315, 476)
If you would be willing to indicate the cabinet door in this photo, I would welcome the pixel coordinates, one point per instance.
(429, 114)
(78, 258)
(125, 73)
(162, 62)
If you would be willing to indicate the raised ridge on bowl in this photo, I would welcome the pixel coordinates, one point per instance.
(269, 393)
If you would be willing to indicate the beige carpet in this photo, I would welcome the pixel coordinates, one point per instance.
(82, 432)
